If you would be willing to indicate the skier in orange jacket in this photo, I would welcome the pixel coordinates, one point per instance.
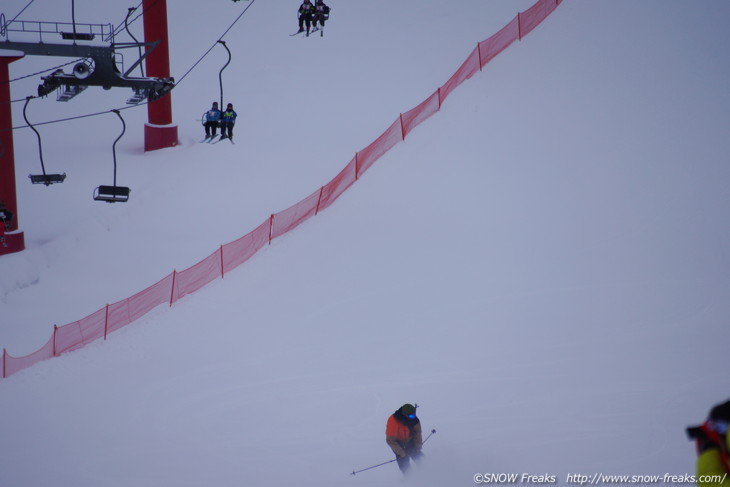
(403, 435)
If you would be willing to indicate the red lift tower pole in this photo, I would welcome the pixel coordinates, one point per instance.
(11, 240)
(159, 132)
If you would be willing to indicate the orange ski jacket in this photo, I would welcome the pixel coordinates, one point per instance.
(398, 435)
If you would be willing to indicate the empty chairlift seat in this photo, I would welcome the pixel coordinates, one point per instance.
(47, 179)
(112, 194)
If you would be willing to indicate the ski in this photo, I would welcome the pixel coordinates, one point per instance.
(207, 139)
(211, 139)
(296, 33)
(224, 138)
(315, 30)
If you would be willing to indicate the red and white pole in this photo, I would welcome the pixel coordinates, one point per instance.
(159, 132)
(13, 239)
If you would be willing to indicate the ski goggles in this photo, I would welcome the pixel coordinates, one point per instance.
(413, 416)
(718, 426)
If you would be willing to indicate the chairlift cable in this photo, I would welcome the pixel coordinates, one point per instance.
(77, 117)
(216, 42)
(12, 101)
(23, 10)
(44, 71)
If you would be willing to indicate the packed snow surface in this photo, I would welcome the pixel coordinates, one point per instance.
(543, 265)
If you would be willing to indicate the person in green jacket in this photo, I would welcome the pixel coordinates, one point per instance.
(713, 445)
(228, 120)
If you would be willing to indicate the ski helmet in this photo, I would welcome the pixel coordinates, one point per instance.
(408, 410)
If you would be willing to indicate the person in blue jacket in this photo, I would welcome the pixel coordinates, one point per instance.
(212, 120)
(228, 120)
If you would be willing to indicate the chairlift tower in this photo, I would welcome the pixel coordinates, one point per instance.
(159, 132)
(12, 239)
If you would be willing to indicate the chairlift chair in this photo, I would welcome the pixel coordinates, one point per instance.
(114, 193)
(111, 194)
(44, 178)
(77, 36)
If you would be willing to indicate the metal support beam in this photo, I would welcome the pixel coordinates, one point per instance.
(102, 72)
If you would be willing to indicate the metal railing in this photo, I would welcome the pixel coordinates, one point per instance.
(68, 30)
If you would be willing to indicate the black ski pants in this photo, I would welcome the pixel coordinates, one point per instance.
(226, 129)
(211, 128)
(305, 19)
(321, 18)
(404, 463)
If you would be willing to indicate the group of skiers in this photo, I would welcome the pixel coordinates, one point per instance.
(310, 15)
(215, 118)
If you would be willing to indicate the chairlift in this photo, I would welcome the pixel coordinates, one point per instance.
(114, 193)
(44, 178)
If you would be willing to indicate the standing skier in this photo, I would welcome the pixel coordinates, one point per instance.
(321, 14)
(403, 435)
(228, 120)
(212, 120)
(306, 11)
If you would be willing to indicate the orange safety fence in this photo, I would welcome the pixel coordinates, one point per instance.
(227, 257)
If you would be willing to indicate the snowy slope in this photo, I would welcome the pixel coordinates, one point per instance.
(542, 265)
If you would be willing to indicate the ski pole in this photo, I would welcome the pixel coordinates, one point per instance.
(390, 461)
(374, 466)
(429, 436)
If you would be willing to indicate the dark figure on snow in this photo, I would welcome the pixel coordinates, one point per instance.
(403, 435)
(713, 447)
(212, 120)
(306, 11)
(6, 217)
(6, 222)
(321, 14)
(228, 120)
